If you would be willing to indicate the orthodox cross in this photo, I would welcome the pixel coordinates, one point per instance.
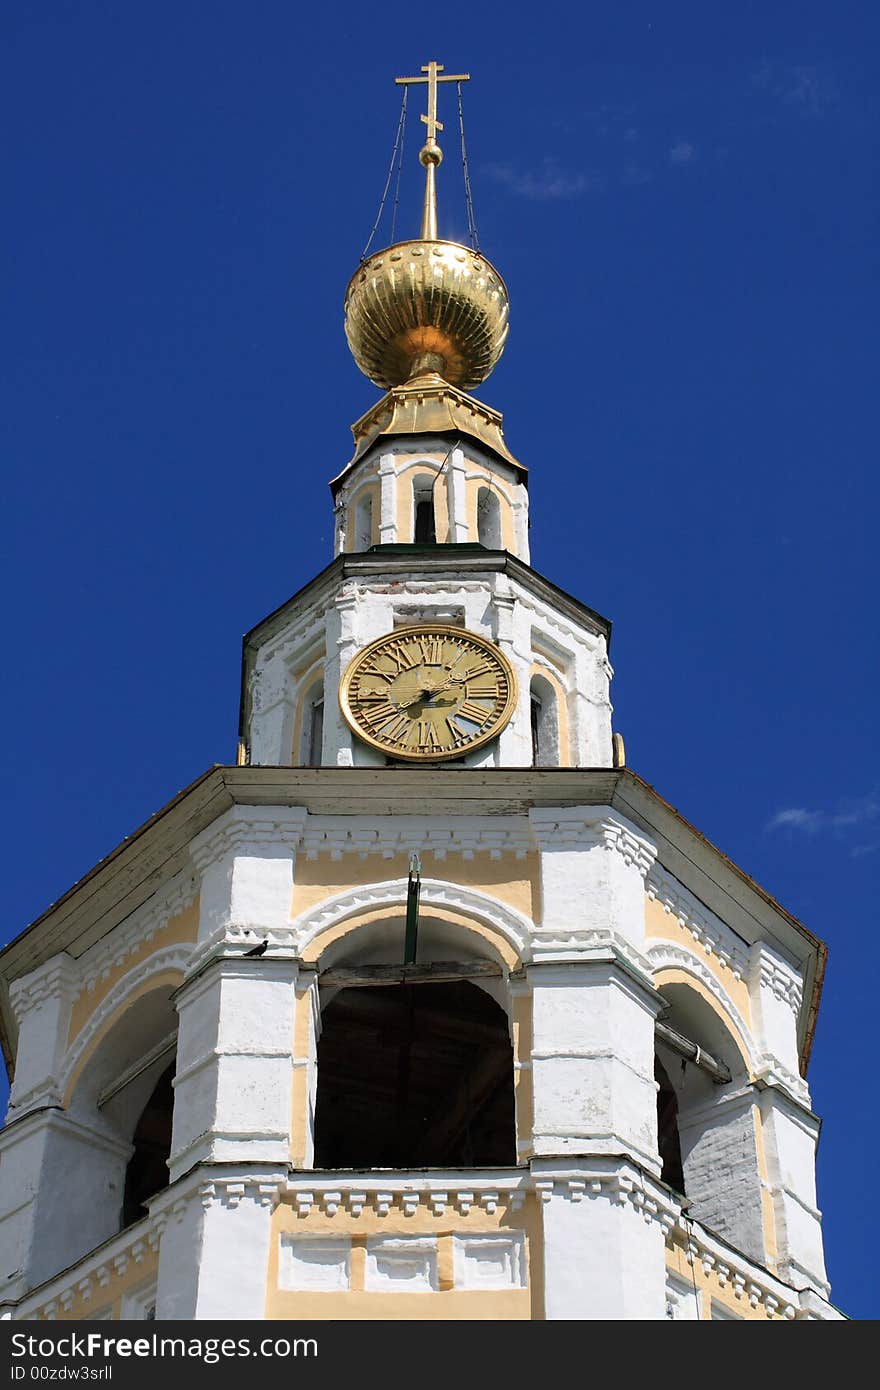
(433, 70)
(431, 155)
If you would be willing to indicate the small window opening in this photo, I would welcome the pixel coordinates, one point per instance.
(488, 519)
(424, 526)
(414, 1076)
(535, 704)
(668, 1138)
(363, 524)
(315, 732)
(147, 1171)
(545, 724)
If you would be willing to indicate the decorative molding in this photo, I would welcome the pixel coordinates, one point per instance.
(393, 835)
(772, 1072)
(584, 827)
(593, 943)
(168, 958)
(233, 940)
(715, 937)
(57, 978)
(92, 1274)
(143, 924)
(668, 955)
(231, 1192)
(406, 1193)
(248, 830)
(770, 972)
(510, 924)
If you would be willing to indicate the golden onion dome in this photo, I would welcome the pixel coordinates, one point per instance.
(426, 306)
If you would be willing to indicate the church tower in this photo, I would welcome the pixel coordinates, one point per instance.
(428, 1007)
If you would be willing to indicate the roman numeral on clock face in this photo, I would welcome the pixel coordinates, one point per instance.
(377, 715)
(469, 709)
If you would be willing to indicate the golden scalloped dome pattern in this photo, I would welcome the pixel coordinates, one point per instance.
(426, 306)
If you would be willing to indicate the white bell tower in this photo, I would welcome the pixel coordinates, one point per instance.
(427, 1007)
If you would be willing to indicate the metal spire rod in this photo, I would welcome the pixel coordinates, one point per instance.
(431, 155)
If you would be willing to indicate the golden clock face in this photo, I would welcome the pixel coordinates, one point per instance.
(428, 692)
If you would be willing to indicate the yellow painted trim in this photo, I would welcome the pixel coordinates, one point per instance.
(447, 1303)
(523, 1081)
(181, 928)
(319, 944)
(299, 1085)
(488, 480)
(709, 1287)
(404, 508)
(671, 976)
(110, 1294)
(306, 683)
(514, 882)
(665, 926)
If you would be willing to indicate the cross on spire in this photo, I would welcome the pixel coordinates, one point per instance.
(431, 155)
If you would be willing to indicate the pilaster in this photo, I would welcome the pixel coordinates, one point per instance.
(214, 1249)
(41, 1002)
(604, 1225)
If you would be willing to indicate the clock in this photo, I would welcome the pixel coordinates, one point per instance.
(428, 692)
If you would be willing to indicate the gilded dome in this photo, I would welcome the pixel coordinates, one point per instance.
(426, 306)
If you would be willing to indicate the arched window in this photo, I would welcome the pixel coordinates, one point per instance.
(545, 723)
(707, 1129)
(488, 519)
(414, 1076)
(363, 523)
(424, 524)
(312, 735)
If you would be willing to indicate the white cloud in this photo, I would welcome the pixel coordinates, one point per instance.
(682, 152)
(796, 818)
(852, 813)
(550, 182)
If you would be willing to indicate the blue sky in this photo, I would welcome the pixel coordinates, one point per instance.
(682, 199)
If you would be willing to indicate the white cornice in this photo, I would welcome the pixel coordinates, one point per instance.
(248, 830)
(435, 835)
(582, 827)
(770, 972)
(57, 978)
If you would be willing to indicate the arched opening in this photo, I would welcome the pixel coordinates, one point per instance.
(106, 1154)
(414, 1076)
(707, 1126)
(424, 523)
(545, 723)
(312, 735)
(488, 519)
(363, 523)
(147, 1171)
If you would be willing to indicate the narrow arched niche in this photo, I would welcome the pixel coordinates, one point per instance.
(544, 710)
(414, 1076)
(424, 519)
(488, 519)
(363, 522)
